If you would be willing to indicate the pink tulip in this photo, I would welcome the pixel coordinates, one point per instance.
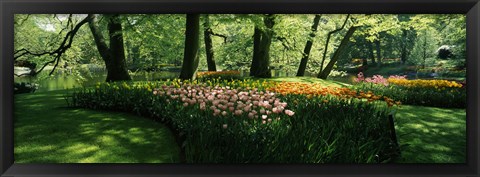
(262, 111)
(202, 105)
(247, 108)
(224, 113)
(210, 98)
(264, 116)
(185, 104)
(268, 106)
(289, 112)
(275, 110)
(238, 112)
(251, 115)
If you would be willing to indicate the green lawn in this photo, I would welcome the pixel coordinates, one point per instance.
(431, 135)
(46, 131)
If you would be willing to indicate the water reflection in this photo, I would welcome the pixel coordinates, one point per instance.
(65, 80)
(68, 81)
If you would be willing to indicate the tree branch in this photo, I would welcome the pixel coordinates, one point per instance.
(328, 40)
(23, 21)
(102, 47)
(66, 44)
(210, 31)
(285, 43)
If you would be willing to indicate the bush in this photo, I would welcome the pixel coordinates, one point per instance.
(292, 128)
(226, 75)
(24, 87)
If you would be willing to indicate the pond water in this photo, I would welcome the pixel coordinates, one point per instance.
(65, 80)
(68, 81)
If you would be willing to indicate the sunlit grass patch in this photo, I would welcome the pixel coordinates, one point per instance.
(45, 131)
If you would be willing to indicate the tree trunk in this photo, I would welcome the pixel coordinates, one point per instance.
(190, 56)
(208, 45)
(135, 54)
(379, 53)
(257, 37)
(403, 55)
(328, 40)
(364, 62)
(261, 58)
(370, 51)
(113, 55)
(118, 68)
(424, 50)
(343, 44)
(308, 47)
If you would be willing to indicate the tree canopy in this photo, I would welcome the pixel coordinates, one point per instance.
(249, 42)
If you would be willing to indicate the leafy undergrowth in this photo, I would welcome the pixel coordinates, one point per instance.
(46, 131)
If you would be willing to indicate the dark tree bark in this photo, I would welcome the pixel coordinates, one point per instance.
(379, 53)
(424, 50)
(190, 56)
(208, 45)
(328, 40)
(257, 36)
(261, 54)
(364, 62)
(118, 68)
(113, 55)
(343, 44)
(408, 38)
(370, 52)
(403, 55)
(308, 47)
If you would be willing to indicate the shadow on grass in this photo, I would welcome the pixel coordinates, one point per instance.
(45, 131)
(431, 135)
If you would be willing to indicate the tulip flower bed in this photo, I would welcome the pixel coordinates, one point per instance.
(249, 122)
(311, 90)
(436, 93)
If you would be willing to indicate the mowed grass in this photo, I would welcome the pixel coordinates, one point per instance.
(431, 135)
(46, 131)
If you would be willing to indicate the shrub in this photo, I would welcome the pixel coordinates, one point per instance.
(226, 75)
(24, 87)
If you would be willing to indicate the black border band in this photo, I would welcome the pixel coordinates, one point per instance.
(10, 7)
